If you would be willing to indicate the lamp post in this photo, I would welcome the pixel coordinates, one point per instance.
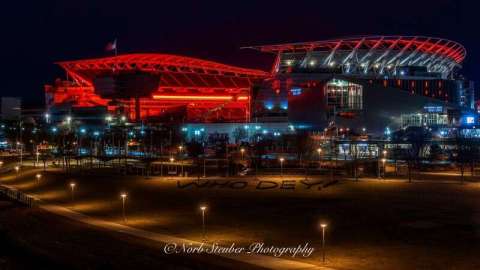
(203, 208)
(1, 163)
(38, 176)
(124, 197)
(17, 168)
(72, 188)
(37, 154)
(383, 163)
(242, 151)
(323, 226)
(281, 165)
(319, 151)
(204, 168)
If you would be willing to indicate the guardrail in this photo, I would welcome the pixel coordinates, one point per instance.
(18, 196)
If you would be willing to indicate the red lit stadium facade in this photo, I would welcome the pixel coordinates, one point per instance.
(157, 87)
(367, 82)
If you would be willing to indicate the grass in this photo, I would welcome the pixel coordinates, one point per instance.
(372, 224)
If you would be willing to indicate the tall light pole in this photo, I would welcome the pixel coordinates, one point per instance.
(124, 197)
(17, 168)
(203, 208)
(204, 168)
(383, 162)
(19, 144)
(38, 176)
(242, 151)
(47, 118)
(384, 152)
(281, 165)
(323, 226)
(37, 154)
(319, 151)
(72, 189)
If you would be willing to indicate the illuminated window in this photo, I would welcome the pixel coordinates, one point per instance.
(343, 95)
(296, 91)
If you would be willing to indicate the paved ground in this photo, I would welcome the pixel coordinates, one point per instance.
(372, 224)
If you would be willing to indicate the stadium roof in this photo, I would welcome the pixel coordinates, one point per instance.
(379, 52)
(86, 70)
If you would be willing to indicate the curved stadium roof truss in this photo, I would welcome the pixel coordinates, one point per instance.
(374, 52)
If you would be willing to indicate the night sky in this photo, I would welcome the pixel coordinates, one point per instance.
(35, 34)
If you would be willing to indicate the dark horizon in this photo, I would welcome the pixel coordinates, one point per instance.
(37, 34)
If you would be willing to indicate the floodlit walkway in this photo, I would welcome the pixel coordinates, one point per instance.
(255, 260)
(262, 261)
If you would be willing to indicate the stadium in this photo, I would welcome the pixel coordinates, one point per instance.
(373, 83)
(156, 87)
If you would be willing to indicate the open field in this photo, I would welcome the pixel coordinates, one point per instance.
(372, 224)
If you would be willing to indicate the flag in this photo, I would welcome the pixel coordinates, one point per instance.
(111, 46)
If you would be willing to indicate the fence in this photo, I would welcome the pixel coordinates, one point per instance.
(18, 196)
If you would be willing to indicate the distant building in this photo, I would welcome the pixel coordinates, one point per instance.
(11, 108)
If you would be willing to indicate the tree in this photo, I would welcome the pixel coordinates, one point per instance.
(466, 151)
(418, 139)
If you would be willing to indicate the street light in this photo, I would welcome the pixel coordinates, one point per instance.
(281, 165)
(383, 162)
(1, 163)
(172, 159)
(37, 154)
(38, 176)
(72, 188)
(17, 168)
(124, 197)
(203, 208)
(242, 150)
(47, 117)
(323, 226)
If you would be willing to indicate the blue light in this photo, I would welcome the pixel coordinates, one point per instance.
(387, 131)
(96, 133)
(470, 120)
(130, 133)
(83, 131)
(258, 127)
(142, 131)
(54, 129)
(268, 105)
(265, 131)
(184, 129)
(246, 127)
(197, 132)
